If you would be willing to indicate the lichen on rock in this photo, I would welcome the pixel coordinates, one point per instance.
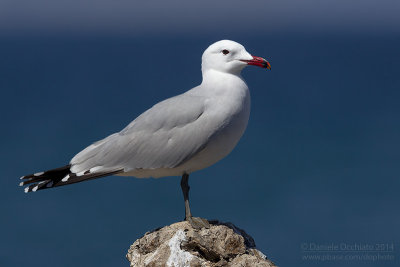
(179, 245)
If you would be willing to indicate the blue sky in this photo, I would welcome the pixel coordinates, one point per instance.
(133, 17)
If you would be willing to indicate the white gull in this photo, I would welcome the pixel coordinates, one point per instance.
(175, 137)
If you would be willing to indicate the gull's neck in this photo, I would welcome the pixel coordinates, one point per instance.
(221, 84)
(219, 78)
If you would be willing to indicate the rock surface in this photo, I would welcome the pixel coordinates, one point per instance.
(223, 244)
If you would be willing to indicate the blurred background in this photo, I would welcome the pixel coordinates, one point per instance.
(318, 164)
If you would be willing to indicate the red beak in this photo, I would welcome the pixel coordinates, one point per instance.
(258, 61)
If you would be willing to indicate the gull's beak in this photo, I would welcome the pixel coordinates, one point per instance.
(258, 61)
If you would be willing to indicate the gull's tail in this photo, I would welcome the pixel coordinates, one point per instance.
(59, 177)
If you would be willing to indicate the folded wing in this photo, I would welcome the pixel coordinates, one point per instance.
(165, 136)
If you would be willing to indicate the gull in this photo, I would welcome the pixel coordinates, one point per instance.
(175, 137)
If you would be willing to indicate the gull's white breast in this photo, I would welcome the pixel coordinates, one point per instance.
(230, 108)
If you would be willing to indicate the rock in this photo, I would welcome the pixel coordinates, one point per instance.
(179, 245)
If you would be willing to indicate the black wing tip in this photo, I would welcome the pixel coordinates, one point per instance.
(60, 177)
(45, 179)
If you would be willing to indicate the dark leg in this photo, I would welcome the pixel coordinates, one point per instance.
(185, 190)
(196, 222)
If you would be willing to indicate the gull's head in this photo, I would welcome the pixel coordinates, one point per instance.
(229, 57)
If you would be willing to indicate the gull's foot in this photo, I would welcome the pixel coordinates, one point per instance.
(198, 223)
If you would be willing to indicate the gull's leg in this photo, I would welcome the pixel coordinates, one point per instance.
(196, 222)
(185, 190)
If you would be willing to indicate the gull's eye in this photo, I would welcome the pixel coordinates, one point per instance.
(225, 52)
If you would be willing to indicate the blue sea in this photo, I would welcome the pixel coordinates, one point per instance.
(318, 166)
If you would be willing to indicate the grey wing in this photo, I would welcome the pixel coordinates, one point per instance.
(164, 136)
